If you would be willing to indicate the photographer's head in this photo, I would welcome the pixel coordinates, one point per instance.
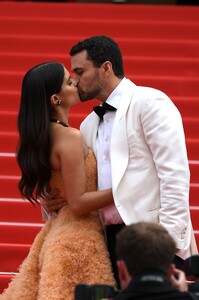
(143, 247)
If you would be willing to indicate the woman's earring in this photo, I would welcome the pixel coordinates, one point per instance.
(59, 102)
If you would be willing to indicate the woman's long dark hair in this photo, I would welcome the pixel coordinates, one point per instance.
(33, 153)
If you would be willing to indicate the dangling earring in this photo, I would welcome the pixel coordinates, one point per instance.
(59, 102)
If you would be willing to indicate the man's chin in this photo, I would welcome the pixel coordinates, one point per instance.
(84, 100)
(85, 97)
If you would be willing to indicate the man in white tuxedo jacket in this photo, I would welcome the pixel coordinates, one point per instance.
(149, 166)
(139, 144)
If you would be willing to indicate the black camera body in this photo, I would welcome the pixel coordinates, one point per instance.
(95, 292)
(191, 266)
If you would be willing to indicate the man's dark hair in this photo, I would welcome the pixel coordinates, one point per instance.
(100, 49)
(144, 247)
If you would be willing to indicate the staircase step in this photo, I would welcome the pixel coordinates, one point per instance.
(18, 233)
(188, 106)
(191, 126)
(101, 11)
(196, 233)
(194, 217)
(176, 86)
(151, 66)
(192, 148)
(13, 255)
(194, 170)
(52, 48)
(9, 166)
(18, 210)
(4, 281)
(26, 55)
(140, 65)
(194, 194)
(9, 141)
(77, 10)
(137, 28)
(9, 187)
(161, 47)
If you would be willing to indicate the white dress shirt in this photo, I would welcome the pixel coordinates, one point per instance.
(109, 214)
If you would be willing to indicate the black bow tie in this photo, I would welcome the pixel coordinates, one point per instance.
(101, 110)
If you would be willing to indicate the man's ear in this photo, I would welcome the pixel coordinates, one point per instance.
(123, 274)
(107, 67)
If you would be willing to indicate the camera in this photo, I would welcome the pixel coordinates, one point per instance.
(191, 267)
(95, 292)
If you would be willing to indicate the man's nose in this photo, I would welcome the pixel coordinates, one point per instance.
(74, 82)
(76, 78)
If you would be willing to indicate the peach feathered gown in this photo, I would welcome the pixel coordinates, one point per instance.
(67, 251)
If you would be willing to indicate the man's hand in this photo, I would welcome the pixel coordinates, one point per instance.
(178, 280)
(53, 202)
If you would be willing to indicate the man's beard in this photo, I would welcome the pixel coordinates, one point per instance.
(91, 94)
(85, 96)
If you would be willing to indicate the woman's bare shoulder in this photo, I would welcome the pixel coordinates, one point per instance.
(67, 145)
(69, 139)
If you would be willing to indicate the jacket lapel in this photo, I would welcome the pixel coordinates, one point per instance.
(119, 150)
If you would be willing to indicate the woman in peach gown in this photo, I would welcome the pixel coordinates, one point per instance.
(71, 247)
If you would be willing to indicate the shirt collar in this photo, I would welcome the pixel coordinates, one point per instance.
(115, 96)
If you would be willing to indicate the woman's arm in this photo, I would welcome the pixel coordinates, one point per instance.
(70, 154)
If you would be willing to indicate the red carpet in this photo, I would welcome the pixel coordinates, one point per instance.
(160, 45)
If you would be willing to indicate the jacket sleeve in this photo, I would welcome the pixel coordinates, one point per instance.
(164, 134)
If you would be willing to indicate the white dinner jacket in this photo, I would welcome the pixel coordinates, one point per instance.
(149, 165)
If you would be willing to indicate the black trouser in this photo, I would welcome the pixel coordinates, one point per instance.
(111, 233)
(179, 262)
